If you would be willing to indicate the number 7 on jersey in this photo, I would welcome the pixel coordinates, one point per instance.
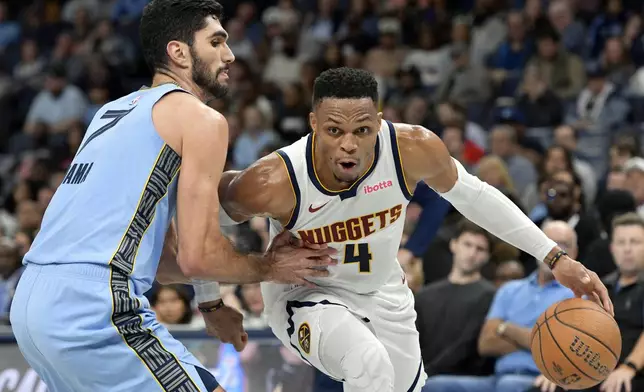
(358, 253)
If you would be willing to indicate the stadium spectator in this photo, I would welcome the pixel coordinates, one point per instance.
(171, 303)
(612, 204)
(541, 106)
(506, 331)
(10, 271)
(599, 112)
(464, 298)
(634, 169)
(511, 57)
(506, 271)
(466, 82)
(504, 143)
(572, 32)
(564, 70)
(626, 288)
(563, 204)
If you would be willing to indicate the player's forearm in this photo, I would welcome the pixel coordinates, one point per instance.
(222, 263)
(490, 209)
(637, 354)
(520, 336)
(168, 271)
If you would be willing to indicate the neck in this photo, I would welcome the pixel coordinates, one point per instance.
(627, 279)
(543, 278)
(458, 277)
(166, 76)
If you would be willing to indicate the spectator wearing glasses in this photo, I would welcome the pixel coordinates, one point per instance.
(562, 204)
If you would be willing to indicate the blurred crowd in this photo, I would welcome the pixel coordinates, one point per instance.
(541, 99)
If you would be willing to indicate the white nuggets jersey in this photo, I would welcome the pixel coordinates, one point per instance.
(364, 222)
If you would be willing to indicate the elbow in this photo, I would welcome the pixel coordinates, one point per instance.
(191, 266)
(484, 346)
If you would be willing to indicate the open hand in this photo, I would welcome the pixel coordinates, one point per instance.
(582, 281)
(618, 380)
(226, 324)
(293, 260)
(544, 384)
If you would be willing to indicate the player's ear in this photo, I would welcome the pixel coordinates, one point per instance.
(452, 245)
(178, 52)
(379, 120)
(313, 122)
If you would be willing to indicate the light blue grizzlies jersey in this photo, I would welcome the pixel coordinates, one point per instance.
(118, 196)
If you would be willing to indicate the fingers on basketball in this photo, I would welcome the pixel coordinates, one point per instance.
(576, 344)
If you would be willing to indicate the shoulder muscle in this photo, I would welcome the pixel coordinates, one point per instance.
(425, 157)
(263, 189)
(179, 116)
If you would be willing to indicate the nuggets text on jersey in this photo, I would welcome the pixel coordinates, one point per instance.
(352, 229)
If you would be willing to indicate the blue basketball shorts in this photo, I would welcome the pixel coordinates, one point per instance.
(81, 329)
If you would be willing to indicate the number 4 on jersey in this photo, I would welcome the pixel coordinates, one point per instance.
(358, 253)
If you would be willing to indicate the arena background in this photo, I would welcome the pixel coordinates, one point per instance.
(566, 76)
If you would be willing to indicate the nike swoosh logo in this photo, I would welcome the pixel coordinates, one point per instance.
(311, 209)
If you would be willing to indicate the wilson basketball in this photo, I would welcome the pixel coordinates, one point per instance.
(576, 343)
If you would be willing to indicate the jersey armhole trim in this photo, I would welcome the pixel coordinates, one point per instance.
(294, 187)
(395, 149)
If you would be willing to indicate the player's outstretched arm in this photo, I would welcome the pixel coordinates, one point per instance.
(200, 135)
(425, 158)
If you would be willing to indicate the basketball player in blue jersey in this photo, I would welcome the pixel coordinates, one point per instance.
(79, 314)
(347, 185)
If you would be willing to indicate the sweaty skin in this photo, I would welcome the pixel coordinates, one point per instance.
(264, 188)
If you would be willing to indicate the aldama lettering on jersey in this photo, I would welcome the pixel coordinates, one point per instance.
(381, 185)
(352, 229)
(77, 173)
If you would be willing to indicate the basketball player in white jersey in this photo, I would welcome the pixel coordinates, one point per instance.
(347, 184)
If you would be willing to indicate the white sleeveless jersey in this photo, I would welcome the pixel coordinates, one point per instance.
(364, 222)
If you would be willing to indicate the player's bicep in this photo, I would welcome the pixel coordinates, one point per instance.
(426, 158)
(204, 146)
(263, 189)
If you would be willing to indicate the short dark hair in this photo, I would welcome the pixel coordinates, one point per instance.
(628, 219)
(626, 144)
(469, 227)
(568, 155)
(163, 21)
(548, 32)
(345, 83)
